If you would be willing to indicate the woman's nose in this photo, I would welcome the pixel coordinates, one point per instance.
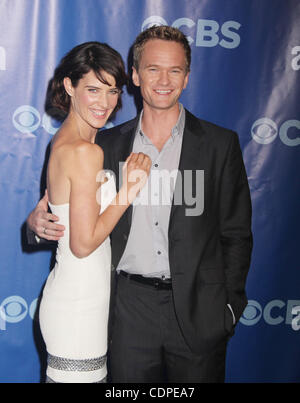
(103, 100)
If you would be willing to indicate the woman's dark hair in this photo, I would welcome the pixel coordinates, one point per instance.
(89, 56)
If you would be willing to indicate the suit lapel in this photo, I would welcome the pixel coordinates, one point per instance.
(125, 142)
(121, 151)
(192, 152)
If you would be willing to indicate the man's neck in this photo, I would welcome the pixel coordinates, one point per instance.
(157, 124)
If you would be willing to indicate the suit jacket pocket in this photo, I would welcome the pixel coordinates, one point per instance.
(214, 319)
(210, 305)
(217, 276)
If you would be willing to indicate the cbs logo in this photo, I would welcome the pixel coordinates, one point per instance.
(208, 32)
(265, 131)
(274, 313)
(27, 119)
(14, 309)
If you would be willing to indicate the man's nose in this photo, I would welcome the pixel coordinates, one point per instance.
(164, 78)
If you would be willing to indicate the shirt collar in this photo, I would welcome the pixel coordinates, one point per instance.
(177, 129)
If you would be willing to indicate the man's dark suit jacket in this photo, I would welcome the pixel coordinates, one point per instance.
(209, 254)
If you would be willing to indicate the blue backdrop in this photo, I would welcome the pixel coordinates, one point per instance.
(244, 76)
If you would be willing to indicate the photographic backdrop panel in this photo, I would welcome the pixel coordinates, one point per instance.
(244, 76)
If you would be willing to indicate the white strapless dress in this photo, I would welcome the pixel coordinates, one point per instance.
(75, 304)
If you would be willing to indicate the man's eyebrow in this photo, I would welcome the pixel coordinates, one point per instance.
(171, 67)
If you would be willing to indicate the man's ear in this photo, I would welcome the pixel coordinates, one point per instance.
(135, 77)
(68, 86)
(186, 80)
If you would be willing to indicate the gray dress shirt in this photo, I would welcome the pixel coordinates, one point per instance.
(146, 252)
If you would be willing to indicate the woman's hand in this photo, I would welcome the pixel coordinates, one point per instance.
(135, 174)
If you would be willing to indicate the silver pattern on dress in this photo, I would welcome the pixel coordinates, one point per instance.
(49, 380)
(67, 364)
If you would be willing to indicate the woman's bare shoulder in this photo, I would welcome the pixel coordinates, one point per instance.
(77, 153)
(86, 154)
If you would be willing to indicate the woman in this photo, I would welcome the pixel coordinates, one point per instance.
(74, 309)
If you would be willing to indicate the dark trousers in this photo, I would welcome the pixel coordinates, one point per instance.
(147, 344)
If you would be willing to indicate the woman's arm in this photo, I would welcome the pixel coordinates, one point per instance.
(88, 229)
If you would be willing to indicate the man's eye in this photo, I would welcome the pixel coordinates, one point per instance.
(92, 90)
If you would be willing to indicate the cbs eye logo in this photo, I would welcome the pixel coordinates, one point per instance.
(264, 131)
(26, 119)
(14, 309)
(252, 314)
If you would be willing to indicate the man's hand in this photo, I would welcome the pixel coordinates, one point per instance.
(43, 224)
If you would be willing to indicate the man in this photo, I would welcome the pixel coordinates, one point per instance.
(180, 273)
